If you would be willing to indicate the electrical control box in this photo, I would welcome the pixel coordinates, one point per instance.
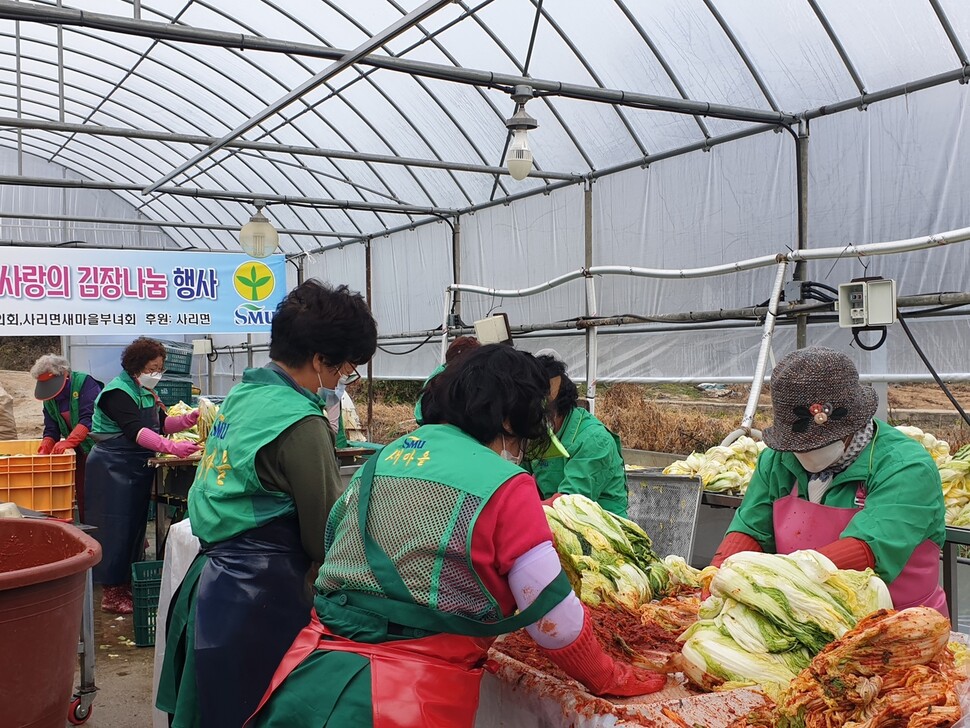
(493, 330)
(867, 302)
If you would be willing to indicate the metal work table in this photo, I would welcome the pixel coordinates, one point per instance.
(955, 537)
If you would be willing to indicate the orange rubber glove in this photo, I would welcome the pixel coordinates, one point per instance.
(46, 445)
(75, 438)
(585, 660)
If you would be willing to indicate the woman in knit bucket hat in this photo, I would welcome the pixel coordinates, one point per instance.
(816, 399)
(836, 480)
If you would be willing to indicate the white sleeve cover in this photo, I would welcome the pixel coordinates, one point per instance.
(530, 574)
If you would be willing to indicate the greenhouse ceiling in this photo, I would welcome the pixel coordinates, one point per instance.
(352, 118)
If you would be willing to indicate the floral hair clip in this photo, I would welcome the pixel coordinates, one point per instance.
(818, 413)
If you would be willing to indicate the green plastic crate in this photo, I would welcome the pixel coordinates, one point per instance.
(146, 583)
(172, 390)
(178, 357)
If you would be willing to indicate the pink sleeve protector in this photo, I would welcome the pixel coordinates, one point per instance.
(530, 574)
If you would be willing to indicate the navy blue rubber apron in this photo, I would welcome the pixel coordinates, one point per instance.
(117, 489)
(242, 603)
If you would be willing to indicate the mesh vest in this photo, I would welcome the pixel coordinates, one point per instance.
(227, 498)
(429, 488)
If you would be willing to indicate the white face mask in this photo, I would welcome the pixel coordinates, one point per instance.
(149, 380)
(509, 456)
(815, 461)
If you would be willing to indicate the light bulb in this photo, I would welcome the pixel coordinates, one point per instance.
(258, 238)
(519, 158)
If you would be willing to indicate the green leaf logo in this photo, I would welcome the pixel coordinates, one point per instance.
(253, 281)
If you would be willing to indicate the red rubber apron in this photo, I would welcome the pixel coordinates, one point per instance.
(801, 524)
(431, 681)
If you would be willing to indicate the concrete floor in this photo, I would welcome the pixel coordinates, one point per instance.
(123, 673)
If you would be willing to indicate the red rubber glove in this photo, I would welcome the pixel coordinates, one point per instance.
(585, 660)
(75, 438)
(850, 553)
(46, 445)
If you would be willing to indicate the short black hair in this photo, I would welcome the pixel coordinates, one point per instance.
(315, 318)
(568, 395)
(139, 352)
(486, 387)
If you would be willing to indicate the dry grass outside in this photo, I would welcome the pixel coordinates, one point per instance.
(646, 425)
(389, 422)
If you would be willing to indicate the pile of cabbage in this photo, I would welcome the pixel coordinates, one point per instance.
(954, 473)
(610, 559)
(768, 615)
(723, 468)
(208, 411)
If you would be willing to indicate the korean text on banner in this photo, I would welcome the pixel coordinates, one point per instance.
(48, 293)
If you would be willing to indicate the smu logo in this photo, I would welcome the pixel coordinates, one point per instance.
(219, 429)
(249, 314)
(413, 443)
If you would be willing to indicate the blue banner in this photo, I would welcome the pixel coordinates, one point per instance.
(47, 292)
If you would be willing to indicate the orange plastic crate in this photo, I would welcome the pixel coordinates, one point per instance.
(40, 482)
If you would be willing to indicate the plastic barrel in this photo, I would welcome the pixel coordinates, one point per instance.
(42, 575)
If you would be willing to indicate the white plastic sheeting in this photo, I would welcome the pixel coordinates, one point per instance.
(894, 171)
(756, 54)
(67, 202)
(898, 168)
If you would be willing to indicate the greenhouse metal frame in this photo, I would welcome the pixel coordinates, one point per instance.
(158, 125)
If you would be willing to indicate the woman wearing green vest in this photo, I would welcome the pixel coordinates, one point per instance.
(126, 427)
(68, 399)
(259, 505)
(594, 467)
(434, 546)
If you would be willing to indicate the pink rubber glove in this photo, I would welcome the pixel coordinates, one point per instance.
(181, 422)
(153, 441)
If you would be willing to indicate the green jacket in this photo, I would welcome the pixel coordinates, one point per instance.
(227, 497)
(594, 467)
(904, 498)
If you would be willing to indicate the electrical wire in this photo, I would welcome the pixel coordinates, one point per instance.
(815, 284)
(919, 352)
(409, 351)
(870, 347)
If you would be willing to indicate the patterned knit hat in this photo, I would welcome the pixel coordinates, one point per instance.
(816, 398)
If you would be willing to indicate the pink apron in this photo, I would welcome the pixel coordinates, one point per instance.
(801, 524)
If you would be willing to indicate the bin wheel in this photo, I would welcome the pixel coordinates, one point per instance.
(78, 715)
